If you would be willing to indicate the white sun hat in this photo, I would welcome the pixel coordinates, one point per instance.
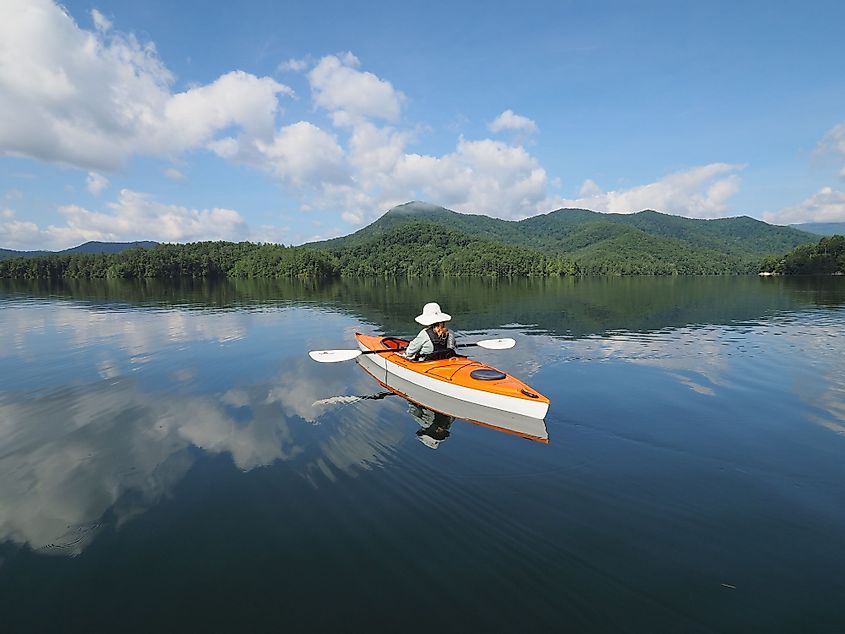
(432, 314)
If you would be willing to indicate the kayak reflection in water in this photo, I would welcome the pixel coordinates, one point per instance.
(435, 341)
(435, 426)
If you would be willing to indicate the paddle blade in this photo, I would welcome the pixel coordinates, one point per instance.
(496, 344)
(333, 356)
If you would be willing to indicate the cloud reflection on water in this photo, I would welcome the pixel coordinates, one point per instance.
(137, 333)
(70, 458)
(107, 444)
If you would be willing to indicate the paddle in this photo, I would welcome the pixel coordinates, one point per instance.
(333, 356)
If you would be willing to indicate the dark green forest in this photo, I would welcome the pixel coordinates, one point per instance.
(825, 258)
(418, 240)
(174, 261)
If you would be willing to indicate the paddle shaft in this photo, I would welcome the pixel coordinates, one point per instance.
(460, 345)
(334, 356)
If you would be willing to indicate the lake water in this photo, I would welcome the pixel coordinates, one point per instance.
(163, 466)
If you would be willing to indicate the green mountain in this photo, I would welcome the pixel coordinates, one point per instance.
(647, 242)
(88, 247)
(421, 240)
(822, 228)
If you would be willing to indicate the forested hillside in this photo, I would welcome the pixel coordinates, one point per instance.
(647, 242)
(88, 247)
(419, 240)
(825, 258)
(194, 260)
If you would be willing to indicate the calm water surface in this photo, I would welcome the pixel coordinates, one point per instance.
(163, 466)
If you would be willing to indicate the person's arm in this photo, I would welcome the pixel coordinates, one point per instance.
(450, 341)
(414, 347)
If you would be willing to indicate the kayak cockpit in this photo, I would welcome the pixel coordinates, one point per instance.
(393, 342)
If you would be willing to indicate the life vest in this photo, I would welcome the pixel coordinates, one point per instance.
(441, 350)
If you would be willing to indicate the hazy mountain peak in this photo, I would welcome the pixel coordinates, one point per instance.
(416, 207)
(821, 228)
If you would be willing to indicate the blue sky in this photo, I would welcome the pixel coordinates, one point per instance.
(289, 122)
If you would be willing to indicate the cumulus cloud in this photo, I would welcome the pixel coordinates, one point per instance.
(18, 234)
(486, 175)
(514, 122)
(302, 153)
(365, 166)
(699, 192)
(92, 99)
(133, 216)
(96, 183)
(826, 205)
(478, 176)
(351, 94)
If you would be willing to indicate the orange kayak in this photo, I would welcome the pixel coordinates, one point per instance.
(458, 377)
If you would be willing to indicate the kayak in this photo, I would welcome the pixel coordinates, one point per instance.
(513, 405)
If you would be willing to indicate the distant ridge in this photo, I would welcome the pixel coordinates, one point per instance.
(647, 242)
(822, 228)
(88, 247)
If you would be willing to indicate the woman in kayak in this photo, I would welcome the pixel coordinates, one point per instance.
(435, 341)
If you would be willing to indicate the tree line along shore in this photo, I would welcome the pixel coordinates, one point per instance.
(419, 240)
(436, 255)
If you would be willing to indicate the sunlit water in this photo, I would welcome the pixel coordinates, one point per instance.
(163, 465)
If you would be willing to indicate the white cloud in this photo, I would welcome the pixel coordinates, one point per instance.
(18, 234)
(482, 176)
(293, 65)
(486, 176)
(700, 192)
(96, 183)
(173, 174)
(589, 189)
(101, 22)
(826, 205)
(236, 98)
(302, 153)
(510, 121)
(133, 216)
(350, 94)
(92, 99)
